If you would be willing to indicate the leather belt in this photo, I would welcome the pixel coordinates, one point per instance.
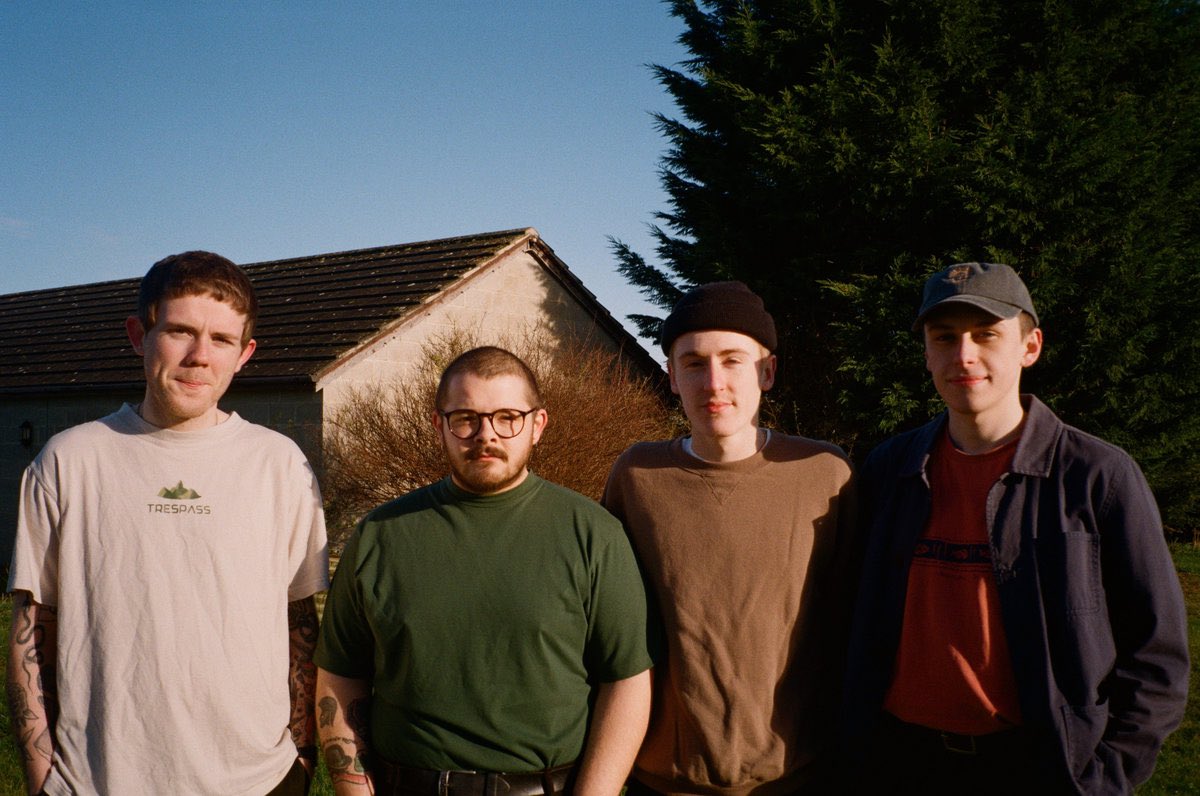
(397, 780)
(1012, 742)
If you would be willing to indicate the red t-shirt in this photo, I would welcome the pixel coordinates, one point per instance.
(953, 670)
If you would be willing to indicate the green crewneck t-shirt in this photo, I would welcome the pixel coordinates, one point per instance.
(485, 623)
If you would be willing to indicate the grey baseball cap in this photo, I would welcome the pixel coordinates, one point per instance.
(994, 288)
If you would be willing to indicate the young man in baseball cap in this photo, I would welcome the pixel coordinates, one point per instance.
(1020, 626)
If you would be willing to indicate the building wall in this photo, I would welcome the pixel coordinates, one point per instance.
(501, 303)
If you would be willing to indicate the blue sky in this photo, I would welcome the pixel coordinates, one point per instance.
(266, 130)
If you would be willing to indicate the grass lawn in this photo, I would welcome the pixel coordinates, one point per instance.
(1178, 770)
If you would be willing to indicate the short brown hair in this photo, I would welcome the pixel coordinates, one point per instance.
(197, 273)
(488, 362)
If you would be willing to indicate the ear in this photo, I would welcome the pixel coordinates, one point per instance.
(671, 377)
(246, 352)
(540, 420)
(1033, 348)
(436, 417)
(766, 372)
(136, 334)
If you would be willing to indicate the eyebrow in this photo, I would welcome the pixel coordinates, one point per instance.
(181, 326)
(723, 353)
(973, 327)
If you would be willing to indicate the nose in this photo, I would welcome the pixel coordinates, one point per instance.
(967, 350)
(199, 351)
(714, 377)
(486, 431)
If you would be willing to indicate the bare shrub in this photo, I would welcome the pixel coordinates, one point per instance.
(381, 442)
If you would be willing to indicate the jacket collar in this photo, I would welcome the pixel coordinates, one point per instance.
(917, 455)
(1039, 439)
(1034, 453)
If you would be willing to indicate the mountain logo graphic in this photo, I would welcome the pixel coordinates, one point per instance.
(178, 492)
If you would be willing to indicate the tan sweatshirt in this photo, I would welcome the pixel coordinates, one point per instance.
(748, 561)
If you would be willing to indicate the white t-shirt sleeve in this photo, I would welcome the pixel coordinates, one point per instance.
(308, 549)
(35, 551)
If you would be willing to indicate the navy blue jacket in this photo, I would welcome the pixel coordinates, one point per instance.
(1090, 600)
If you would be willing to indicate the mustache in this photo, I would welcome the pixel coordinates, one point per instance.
(486, 450)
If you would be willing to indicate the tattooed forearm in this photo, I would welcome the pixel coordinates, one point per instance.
(341, 757)
(343, 709)
(32, 685)
(326, 711)
(302, 673)
(30, 729)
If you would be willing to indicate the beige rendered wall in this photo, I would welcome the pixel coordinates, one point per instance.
(511, 296)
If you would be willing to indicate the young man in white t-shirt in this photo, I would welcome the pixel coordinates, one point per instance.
(165, 563)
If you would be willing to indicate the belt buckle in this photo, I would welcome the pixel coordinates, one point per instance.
(959, 744)
(454, 782)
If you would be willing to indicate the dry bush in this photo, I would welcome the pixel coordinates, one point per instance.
(381, 443)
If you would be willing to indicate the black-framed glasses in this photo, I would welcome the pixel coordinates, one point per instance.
(507, 423)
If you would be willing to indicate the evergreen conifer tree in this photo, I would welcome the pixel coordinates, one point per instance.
(833, 154)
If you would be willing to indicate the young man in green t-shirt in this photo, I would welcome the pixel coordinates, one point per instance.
(486, 632)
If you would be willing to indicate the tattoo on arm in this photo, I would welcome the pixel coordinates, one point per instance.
(302, 673)
(32, 686)
(346, 757)
(336, 759)
(326, 710)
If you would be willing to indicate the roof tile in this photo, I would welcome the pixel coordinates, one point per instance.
(311, 311)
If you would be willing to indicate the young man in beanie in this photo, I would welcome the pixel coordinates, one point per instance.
(1019, 626)
(739, 530)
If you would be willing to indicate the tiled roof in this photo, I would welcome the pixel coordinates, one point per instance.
(312, 310)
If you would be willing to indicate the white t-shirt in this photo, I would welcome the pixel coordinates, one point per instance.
(171, 557)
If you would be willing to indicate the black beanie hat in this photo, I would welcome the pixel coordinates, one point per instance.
(729, 306)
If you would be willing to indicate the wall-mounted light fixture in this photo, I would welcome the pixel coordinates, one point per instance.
(27, 434)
